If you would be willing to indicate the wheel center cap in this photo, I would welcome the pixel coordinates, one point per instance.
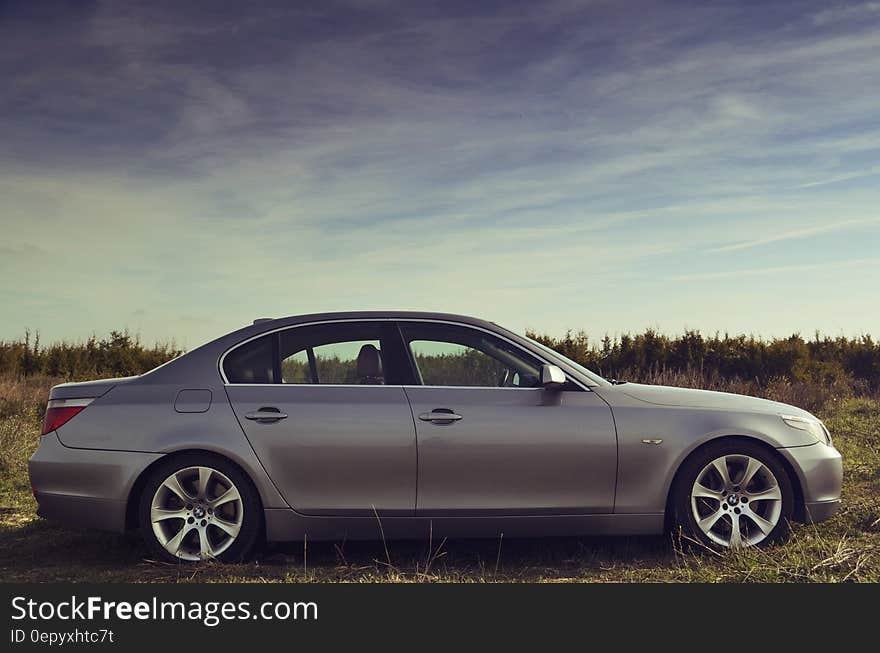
(732, 499)
(199, 512)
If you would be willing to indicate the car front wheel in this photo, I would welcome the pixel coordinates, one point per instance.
(733, 494)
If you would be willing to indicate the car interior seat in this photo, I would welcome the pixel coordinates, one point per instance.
(369, 366)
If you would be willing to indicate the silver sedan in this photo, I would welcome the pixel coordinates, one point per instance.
(397, 424)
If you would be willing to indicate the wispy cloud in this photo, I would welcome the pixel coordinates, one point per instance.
(857, 174)
(796, 234)
(242, 162)
(778, 270)
(846, 12)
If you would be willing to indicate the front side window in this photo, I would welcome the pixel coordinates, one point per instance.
(451, 355)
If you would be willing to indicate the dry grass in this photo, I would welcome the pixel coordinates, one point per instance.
(25, 396)
(843, 549)
(815, 397)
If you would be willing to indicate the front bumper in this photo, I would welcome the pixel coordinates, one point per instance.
(819, 468)
(820, 511)
(87, 488)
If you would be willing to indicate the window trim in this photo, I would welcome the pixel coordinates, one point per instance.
(313, 367)
(276, 358)
(396, 321)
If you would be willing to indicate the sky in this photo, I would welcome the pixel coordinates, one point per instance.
(179, 169)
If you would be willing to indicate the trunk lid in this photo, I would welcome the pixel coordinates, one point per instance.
(87, 389)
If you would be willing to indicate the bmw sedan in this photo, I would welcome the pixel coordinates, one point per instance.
(397, 424)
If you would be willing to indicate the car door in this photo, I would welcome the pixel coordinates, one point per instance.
(491, 440)
(324, 408)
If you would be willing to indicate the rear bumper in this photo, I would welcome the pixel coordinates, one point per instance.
(87, 488)
(82, 512)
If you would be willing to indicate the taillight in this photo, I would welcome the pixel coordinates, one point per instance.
(61, 411)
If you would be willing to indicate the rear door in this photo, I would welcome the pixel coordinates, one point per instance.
(324, 408)
(493, 441)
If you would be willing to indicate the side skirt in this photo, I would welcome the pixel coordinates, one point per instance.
(286, 525)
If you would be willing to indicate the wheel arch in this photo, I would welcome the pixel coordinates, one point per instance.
(131, 506)
(794, 477)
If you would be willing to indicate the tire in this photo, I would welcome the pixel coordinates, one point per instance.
(212, 511)
(707, 512)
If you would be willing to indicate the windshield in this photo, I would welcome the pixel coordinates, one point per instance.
(580, 368)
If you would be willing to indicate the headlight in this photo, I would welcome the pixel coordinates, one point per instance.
(813, 426)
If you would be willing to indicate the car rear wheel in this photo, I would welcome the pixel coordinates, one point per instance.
(199, 507)
(733, 494)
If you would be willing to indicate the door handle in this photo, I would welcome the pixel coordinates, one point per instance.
(440, 415)
(266, 415)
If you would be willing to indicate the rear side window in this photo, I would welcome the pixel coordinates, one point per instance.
(341, 353)
(253, 362)
(351, 362)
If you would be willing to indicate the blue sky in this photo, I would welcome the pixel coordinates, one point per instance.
(179, 169)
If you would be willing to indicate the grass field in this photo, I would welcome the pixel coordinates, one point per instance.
(846, 548)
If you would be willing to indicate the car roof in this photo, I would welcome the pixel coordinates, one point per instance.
(342, 315)
(193, 364)
(201, 365)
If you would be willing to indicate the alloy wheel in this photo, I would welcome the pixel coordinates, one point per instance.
(736, 501)
(196, 513)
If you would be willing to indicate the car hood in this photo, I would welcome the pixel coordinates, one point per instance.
(663, 395)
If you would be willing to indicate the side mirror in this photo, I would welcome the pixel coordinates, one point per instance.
(552, 378)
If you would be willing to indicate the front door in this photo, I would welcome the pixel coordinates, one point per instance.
(492, 441)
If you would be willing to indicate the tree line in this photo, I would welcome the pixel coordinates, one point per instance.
(820, 359)
(119, 354)
(648, 355)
